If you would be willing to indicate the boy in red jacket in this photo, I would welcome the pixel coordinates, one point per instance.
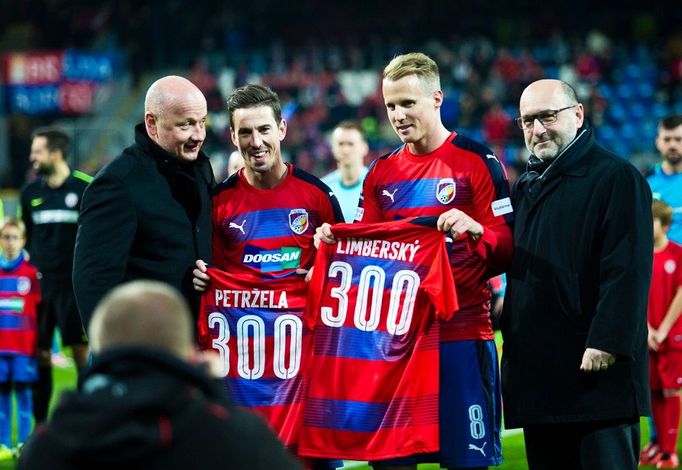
(665, 342)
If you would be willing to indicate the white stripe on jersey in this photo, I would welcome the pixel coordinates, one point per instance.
(55, 216)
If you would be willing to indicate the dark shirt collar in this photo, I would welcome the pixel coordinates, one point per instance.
(567, 162)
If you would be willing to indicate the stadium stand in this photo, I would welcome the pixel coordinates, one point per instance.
(626, 67)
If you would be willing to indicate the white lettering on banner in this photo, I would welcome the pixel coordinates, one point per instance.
(395, 251)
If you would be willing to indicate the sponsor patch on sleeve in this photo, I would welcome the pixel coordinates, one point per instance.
(359, 213)
(502, 206)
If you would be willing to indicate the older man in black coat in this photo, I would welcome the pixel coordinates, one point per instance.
(147, 214)
(574, 366)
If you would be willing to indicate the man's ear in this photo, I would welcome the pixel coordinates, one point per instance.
(57, 154)
(150, 124)
(282, 129)
(438, 98)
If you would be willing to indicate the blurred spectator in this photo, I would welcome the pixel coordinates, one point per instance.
(496, 125)
(507, 65)
(349, 148)
(587, 67)
(147, 401)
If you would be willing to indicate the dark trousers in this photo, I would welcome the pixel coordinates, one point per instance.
(600, 445)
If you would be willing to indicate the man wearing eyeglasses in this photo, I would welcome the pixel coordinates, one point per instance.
(574, 323)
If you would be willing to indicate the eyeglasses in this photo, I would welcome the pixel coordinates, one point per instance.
(546, 118)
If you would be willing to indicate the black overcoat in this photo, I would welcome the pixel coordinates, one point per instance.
(145, 215)
(583, 249)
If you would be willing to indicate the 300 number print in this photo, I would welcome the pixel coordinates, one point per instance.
(250, 332)
(399, 316)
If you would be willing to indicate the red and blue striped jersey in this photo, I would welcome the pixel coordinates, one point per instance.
(461, 174)
(375, 299)
(269, 232)
(264, 235)
(19, 299)
(257, 329)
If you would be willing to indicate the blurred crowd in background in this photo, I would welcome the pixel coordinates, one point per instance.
(325, 59)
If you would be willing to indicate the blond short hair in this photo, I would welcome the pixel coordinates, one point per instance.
(13, 222)
(414, 63)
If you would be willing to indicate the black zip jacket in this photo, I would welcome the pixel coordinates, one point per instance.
(146, 215)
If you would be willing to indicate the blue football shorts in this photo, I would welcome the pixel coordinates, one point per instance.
(18, 368)
(470, 408)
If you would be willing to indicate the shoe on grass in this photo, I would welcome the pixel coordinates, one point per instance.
(648, 454)
(668, 461)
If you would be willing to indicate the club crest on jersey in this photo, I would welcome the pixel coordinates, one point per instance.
(670, 266)
(298, 220)
(71, 200)
(23, 285)
(445, 191)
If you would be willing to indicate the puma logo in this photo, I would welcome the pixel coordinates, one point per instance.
(480, 449)
(239, 227)
(386, 193)
(492, 156)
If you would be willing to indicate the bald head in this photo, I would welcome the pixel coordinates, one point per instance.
(175, 113)
(550, 90)
(551, 115)
(147, 314)
(169, 90)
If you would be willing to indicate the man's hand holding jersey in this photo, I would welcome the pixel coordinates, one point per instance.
(201, 279)
(457, 223)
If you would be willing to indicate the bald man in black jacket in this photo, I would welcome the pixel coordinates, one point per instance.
(147, 214)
